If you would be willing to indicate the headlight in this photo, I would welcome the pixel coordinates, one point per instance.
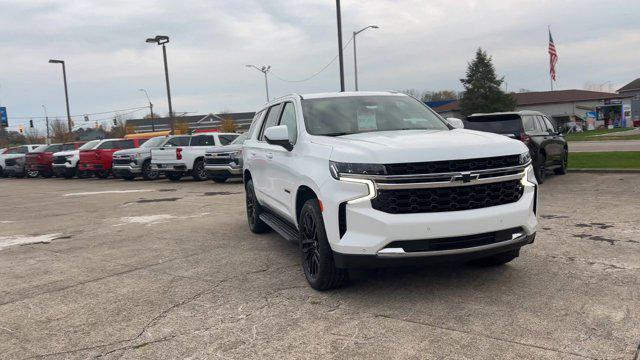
(236, 154)
(525, 158)
(338, 168)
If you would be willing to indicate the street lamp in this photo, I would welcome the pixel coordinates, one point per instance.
(264, 69)
(46, 118)
(341, 58)
(153, 127)
(355, 59)
(66, 92)
(162, 40)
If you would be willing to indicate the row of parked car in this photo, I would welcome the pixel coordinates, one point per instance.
(203, 156)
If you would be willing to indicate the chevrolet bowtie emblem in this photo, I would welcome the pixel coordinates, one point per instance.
(465, 177)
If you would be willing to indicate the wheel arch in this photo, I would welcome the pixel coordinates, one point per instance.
(303, 194)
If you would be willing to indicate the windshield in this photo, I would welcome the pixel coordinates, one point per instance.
(154, 142)
(240, 139)
(90, 145)
(40, 149)
(499, 124)
(356, 114)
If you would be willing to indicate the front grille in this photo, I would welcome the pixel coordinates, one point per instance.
(59, 160)
(452, 243)
(434, 167)
(217, 161)
(121, 161)
(11, 162)
(410, 201)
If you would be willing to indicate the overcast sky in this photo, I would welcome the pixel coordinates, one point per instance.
(423, 45)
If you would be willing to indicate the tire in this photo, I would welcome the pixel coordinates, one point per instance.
(128, 177)
(563, 167)
(219, 179)
(148, 173)
(315, 251)
(199, 173)
(69, 173)
(32, 174)
(540, 171)
(173, 175)
(256, 225)
(46, 175)
(84, 174)
(497, 259)
(102, 174)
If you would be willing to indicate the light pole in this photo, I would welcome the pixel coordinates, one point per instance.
(355, 58)
(162, 40)
(66, 92)
(46, 118)
(339, 20)
(264, 69)
(153, 127)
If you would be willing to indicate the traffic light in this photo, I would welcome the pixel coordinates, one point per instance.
(115, 122)
(21, 129)
(31, 123)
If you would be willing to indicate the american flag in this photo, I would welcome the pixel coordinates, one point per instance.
(553, 58)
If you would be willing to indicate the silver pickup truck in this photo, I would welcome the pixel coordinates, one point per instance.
(131, 163)
(225, 162)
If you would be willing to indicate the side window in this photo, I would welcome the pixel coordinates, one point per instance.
(540, 122)
(142, 141)
(528, 123)
(549, 125)
(255, 123)
(202, 140)
(226, 139)
(178, 141)
(67, 147)
(125, 144)
(22, 150)
(271, 120)
(54, 148)
(288, 118)
(107, 145)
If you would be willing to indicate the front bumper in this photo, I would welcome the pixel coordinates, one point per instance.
(92, 167)
(169, 167)
(128, 169)
(356, 228)
(224, 170)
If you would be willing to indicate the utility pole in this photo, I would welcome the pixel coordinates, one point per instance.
(46, 118)
(263, 69)
(162, 40)
(340, 45)
(66, 92)
(153, 127)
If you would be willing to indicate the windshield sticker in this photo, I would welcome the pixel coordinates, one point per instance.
(367, 120)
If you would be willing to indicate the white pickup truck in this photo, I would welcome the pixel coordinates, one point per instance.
(182, 154)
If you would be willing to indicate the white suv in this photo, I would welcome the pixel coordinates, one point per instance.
(374, 179)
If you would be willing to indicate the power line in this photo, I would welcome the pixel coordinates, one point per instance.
(315, 74)
(80, 115)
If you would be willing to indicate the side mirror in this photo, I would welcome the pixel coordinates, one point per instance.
(278, 135)
(456, 123)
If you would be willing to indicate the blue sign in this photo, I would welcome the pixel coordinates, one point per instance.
(4, 121)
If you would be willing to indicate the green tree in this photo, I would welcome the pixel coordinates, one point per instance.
(482, 91)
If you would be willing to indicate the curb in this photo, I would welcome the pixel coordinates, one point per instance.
(610, 171)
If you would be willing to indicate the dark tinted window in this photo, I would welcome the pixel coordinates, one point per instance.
(499, 124)
(202, 140)
(142, 141)
(288, 118)
(125, 144)
(226, 139)
(271, 120)
(548, 124)
(54, 148)
(108, 145)
(22, 150)
(178, 141)
(67, 147)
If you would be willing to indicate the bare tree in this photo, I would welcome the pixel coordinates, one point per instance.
(119, 127)
(227, 125)
(439, 95)
(33, 137)
(59, 131)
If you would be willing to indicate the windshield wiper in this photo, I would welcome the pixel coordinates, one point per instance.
(336, 134)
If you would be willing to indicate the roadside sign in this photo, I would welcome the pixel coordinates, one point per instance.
(4, 120)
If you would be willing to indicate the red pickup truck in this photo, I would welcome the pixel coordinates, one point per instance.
(40, 161)
(99, 160)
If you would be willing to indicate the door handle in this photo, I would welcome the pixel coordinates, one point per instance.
(269, 155)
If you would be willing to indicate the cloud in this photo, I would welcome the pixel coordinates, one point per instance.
(420, 44)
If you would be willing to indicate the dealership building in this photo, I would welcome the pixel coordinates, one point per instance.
(563, 106)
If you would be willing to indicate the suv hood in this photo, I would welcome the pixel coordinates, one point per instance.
(387, 147)
(132, 151)
(68, 152)
(224, 149)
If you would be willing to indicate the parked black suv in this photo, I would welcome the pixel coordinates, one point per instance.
(547, 145)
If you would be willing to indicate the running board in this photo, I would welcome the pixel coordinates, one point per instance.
(280, 226)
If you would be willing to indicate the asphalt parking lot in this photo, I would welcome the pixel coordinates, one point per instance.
(170, 270)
